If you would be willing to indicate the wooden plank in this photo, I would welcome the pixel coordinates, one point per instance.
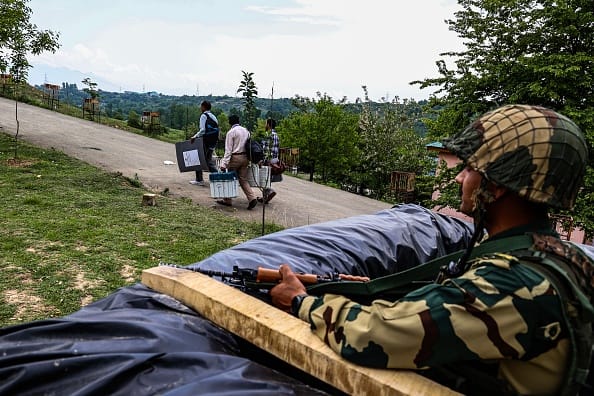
(282, 335)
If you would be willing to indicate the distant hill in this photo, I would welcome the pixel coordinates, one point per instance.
(175, 110)
(40, 74)
(180, 111)
(118, 103)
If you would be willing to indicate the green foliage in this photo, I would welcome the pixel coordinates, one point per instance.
(91, 88)
(72, 234)
(338, 162)
(19, 37)
(175, 111)
(326, 135)
(389, 143)
(249, 91)
(223, 122)
(134, 120)
(537, 52)
(134, 182)
(449, 190)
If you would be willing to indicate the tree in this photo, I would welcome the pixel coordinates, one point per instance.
(134, 120)
(177, 116)
(91, 88)
(537, 52)
(18, 38)
(249, 91)
(326, 136)
(390, 143)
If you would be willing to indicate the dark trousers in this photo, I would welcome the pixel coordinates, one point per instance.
(212, 166)
(239, 163)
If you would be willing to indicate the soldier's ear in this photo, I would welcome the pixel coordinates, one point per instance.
(495, 191)
(499, 191)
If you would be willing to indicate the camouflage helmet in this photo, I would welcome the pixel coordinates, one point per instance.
(539, 154)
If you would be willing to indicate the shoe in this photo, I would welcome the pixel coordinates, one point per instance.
(221, 202)
(261, 200)
(270, 196)
(252, 204)
(197, 183)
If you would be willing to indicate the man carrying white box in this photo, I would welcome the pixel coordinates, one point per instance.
(236, 159)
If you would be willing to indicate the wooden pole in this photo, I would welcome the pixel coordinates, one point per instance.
(282, 335)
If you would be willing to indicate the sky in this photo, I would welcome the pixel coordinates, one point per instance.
(292, 47)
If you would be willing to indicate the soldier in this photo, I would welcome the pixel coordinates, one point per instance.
(521, 313)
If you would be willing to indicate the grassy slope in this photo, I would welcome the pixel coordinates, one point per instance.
(71, 234)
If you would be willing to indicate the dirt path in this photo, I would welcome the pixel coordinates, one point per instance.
(297, 203)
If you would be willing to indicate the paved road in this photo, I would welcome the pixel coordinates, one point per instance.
(297, 203)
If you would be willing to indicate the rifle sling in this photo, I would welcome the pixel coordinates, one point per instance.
(409, 280)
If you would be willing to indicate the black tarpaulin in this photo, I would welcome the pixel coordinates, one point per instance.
(138, 342)
(375, 245)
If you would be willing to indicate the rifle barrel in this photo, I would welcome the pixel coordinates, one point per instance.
(269, 276)
(202, 271)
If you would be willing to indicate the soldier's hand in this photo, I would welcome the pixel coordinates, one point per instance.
(289, 287)
(192, 140)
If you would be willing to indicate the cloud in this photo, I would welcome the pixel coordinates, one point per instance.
(330, 46)
(296, 15)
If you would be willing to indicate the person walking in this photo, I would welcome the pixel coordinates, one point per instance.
(209, 131)
(271, 146)
(515, 316)
(236, 159)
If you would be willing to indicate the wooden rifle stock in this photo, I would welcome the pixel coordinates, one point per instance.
(266, 275)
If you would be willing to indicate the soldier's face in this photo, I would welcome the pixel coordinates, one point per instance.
(470, 181)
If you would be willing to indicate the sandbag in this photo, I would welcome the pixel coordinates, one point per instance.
(139, 342)
(379, 244)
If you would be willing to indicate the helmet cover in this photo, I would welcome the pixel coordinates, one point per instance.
(533, 151)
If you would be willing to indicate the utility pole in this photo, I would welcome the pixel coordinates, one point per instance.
(271, 98)
(263, 194)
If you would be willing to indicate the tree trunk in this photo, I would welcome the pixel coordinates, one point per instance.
(16, 116)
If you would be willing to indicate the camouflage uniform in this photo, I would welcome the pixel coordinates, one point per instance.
(499, 310)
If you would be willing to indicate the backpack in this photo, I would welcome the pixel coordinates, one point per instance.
(211, 131)
(254, 150)
(211, 127)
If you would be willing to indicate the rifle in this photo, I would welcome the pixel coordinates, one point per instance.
(265, 278)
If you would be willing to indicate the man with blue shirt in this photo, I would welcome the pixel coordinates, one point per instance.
(209, 131)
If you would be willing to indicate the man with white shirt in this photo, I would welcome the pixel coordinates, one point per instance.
(236, 159)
